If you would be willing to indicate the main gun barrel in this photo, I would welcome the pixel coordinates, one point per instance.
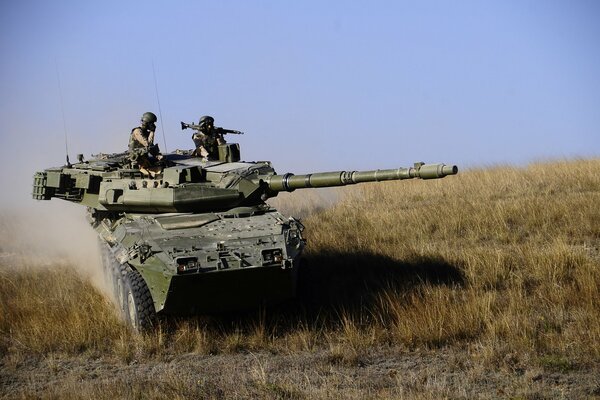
(290, 182)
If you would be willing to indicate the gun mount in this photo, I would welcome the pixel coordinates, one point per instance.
(197, 237)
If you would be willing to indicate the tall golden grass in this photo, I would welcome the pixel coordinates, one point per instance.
(521, 245)
(501, 261)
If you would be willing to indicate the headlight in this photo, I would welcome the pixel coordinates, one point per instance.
(187, 264)
(272, 257)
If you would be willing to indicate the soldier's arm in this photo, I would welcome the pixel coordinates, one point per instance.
(137, 135)
(198, 139)
(201, 151)
(151, 138)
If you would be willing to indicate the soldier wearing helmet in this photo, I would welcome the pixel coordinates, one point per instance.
(142, 137)
(207, 139)
(142, 150)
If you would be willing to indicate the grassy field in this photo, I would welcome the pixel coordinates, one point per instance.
(483, 285)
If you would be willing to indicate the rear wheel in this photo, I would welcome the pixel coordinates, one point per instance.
(113, 275)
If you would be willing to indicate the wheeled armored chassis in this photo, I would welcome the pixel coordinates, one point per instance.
(196, 236)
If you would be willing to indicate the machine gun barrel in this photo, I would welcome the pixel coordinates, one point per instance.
(217, 130)
(290, 182)
(224, 131)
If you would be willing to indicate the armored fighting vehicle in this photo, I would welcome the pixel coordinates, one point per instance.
(196, 236)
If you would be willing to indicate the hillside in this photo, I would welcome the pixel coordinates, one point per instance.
(481, 285)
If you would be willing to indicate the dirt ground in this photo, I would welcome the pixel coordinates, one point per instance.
(382, 373)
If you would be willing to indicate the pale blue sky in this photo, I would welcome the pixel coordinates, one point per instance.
(315, 85)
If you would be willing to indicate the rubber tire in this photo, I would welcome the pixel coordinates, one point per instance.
(117, 272)
(130, 292)
(113, 275)
(137, 304)
(107, 263)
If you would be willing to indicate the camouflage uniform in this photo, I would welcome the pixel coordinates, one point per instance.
(207, 144)
(207, 139)
(141, 145)
(141, 138)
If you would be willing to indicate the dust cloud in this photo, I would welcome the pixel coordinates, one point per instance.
(304, 202)
(49, 235)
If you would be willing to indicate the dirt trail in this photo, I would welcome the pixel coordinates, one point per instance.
(381, 373)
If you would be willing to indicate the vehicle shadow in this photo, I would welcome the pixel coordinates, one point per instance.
(332, 285)
(350, 280)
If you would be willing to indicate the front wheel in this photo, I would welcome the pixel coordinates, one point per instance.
(136, 301)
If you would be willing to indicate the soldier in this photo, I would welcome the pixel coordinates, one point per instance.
(142, 137)
(207, 139)
(142, 147)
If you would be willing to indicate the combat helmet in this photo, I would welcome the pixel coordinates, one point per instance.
(206, 120)
(149, 118)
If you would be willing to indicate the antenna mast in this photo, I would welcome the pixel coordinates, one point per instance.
(62, 109)
(162, 126)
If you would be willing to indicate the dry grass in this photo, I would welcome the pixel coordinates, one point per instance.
(501, 263)
(513, 256)
(44, 311)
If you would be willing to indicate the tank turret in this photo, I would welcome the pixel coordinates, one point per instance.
(196, 236)
(189, 184)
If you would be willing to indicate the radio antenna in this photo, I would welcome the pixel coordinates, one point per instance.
(62, 110)
(162, 125)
